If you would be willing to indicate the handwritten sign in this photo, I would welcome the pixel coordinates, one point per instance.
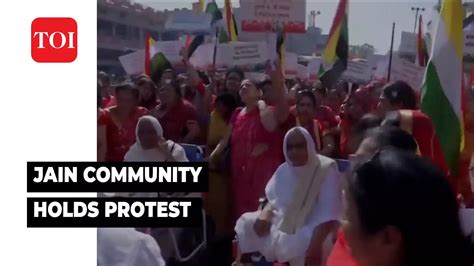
(291, 65)
(402, 70)
(202, 57)
(263, 15)
(133, 63)
(242, 54)
(357, 71)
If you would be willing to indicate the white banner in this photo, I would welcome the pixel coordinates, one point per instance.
(291, 65)
(302, 72)
(357, 71)
(402, 70)
(171, 49)
(203, 56)
(313, 68)
(263, 15)
(242, 54)
(133, 63)
(189, 22)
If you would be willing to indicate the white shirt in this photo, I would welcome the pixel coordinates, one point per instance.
(127, 247)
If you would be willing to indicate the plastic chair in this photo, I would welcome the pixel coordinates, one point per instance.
(180, 257)
(343, 165)
(195, 153)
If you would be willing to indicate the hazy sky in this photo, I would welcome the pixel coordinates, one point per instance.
(370, 21)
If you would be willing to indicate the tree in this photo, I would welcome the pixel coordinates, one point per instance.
(361, 51)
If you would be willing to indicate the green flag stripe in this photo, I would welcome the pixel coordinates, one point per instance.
(436, 105)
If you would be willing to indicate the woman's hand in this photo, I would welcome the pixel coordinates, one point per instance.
(263, 223)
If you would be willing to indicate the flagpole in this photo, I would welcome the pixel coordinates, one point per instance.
(215, 48)
(391, 54)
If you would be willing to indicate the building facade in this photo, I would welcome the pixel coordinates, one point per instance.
(122, 27)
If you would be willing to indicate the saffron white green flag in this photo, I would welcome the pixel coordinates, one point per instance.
(441, 97)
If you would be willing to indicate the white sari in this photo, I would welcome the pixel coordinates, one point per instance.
(289, 237)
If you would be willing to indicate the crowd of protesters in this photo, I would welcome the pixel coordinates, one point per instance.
(272, 143)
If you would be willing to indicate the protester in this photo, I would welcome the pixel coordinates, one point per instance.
(323, 113)
(218, 199)
(127, 247)
(267, 92)
(398, 102)
(283, 230)
(121, 121)
(254, 137)
(178, 117)
(402, 211)
(232, 83)
(147, 92)
(352, 110)
(366, 122)
(305, 110)
(150, 146)
(108, 99)
(375, 139)
(101, 127)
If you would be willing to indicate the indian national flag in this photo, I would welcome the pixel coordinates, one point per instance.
(336, 51)
(230, 21)
(441, 97)
(213, 10)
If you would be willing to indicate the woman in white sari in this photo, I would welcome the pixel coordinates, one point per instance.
(304, 201)
(150, 146)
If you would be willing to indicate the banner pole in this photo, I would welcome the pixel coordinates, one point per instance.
(391, 54)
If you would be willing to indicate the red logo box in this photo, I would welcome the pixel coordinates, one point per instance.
(54, 40)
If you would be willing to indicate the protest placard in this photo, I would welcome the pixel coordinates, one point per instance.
(202, 57)
(189, 22)
(291, 65)
(357, 71)
(246, 55)
(313, 68)
(133, 63)
(263, 15)
(171, 49)
(402, 70)
(302, 72)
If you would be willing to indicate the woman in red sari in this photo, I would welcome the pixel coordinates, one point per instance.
(303, 115)
(353, 109)
(121, 121)
(254, 136)
(178, 117)
(147, 92)
(101, 127)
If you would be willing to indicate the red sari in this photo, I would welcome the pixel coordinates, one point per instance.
(340, 254)
(175, 119)
(251, 174)
(121, 137)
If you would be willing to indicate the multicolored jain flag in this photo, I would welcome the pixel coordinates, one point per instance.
(230, 21)
(442, 91)
(336, 51)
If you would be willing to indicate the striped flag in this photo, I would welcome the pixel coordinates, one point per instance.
(149, 52)
(230, 21)
(422, 52)
(202, 6)
(337, 47)
(214, 11)
(442, 90)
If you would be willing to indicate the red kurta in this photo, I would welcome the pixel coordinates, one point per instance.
(340, 254)
(175, 119)
(250, 174)
(121, 136)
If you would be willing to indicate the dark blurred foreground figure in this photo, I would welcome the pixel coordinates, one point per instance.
(401, 211)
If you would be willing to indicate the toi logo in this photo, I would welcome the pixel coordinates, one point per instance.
(54, 40)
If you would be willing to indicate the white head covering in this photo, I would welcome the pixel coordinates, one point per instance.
(136, 153)
(155, 123)
(294, 189)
